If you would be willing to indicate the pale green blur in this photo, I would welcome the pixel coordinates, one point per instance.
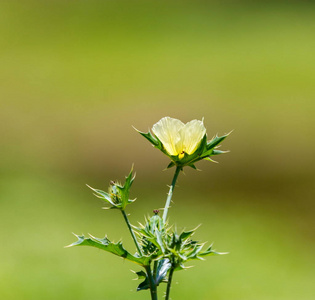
(75, 76)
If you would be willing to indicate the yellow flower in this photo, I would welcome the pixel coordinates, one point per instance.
(179, 138)
(184, 144)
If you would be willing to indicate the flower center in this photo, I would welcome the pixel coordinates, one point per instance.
(181, 154)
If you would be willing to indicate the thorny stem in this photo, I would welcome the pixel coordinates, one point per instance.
(131, 232)
(167, 205)
(169, 283)
(153, 288)
(170, 193)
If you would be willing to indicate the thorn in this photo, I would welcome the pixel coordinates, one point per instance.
(135, 128)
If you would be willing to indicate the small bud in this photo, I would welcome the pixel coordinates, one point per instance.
(112, 182)
(156, 211)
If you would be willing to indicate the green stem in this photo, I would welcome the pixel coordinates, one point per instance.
(153, 288)
(170, 193)
(155, 265)
(169, 283)
(131, 232)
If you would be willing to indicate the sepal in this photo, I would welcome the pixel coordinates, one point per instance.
(217, 152)
(154, 141)
(171, 164)
(216, 141)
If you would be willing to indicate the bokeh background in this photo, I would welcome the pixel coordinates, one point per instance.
(75, 76)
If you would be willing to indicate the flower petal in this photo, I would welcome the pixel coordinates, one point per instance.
(167, 131)
(191, 135)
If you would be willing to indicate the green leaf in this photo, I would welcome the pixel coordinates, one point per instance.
(114, 248)
(141, 274)
(144, 285)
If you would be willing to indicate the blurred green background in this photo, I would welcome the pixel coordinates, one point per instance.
(76, 75)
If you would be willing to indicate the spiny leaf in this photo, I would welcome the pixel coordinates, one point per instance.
(140, 274)
(144, 285)
(114, 248)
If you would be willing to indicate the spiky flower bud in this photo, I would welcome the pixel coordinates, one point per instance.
(118, 195)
